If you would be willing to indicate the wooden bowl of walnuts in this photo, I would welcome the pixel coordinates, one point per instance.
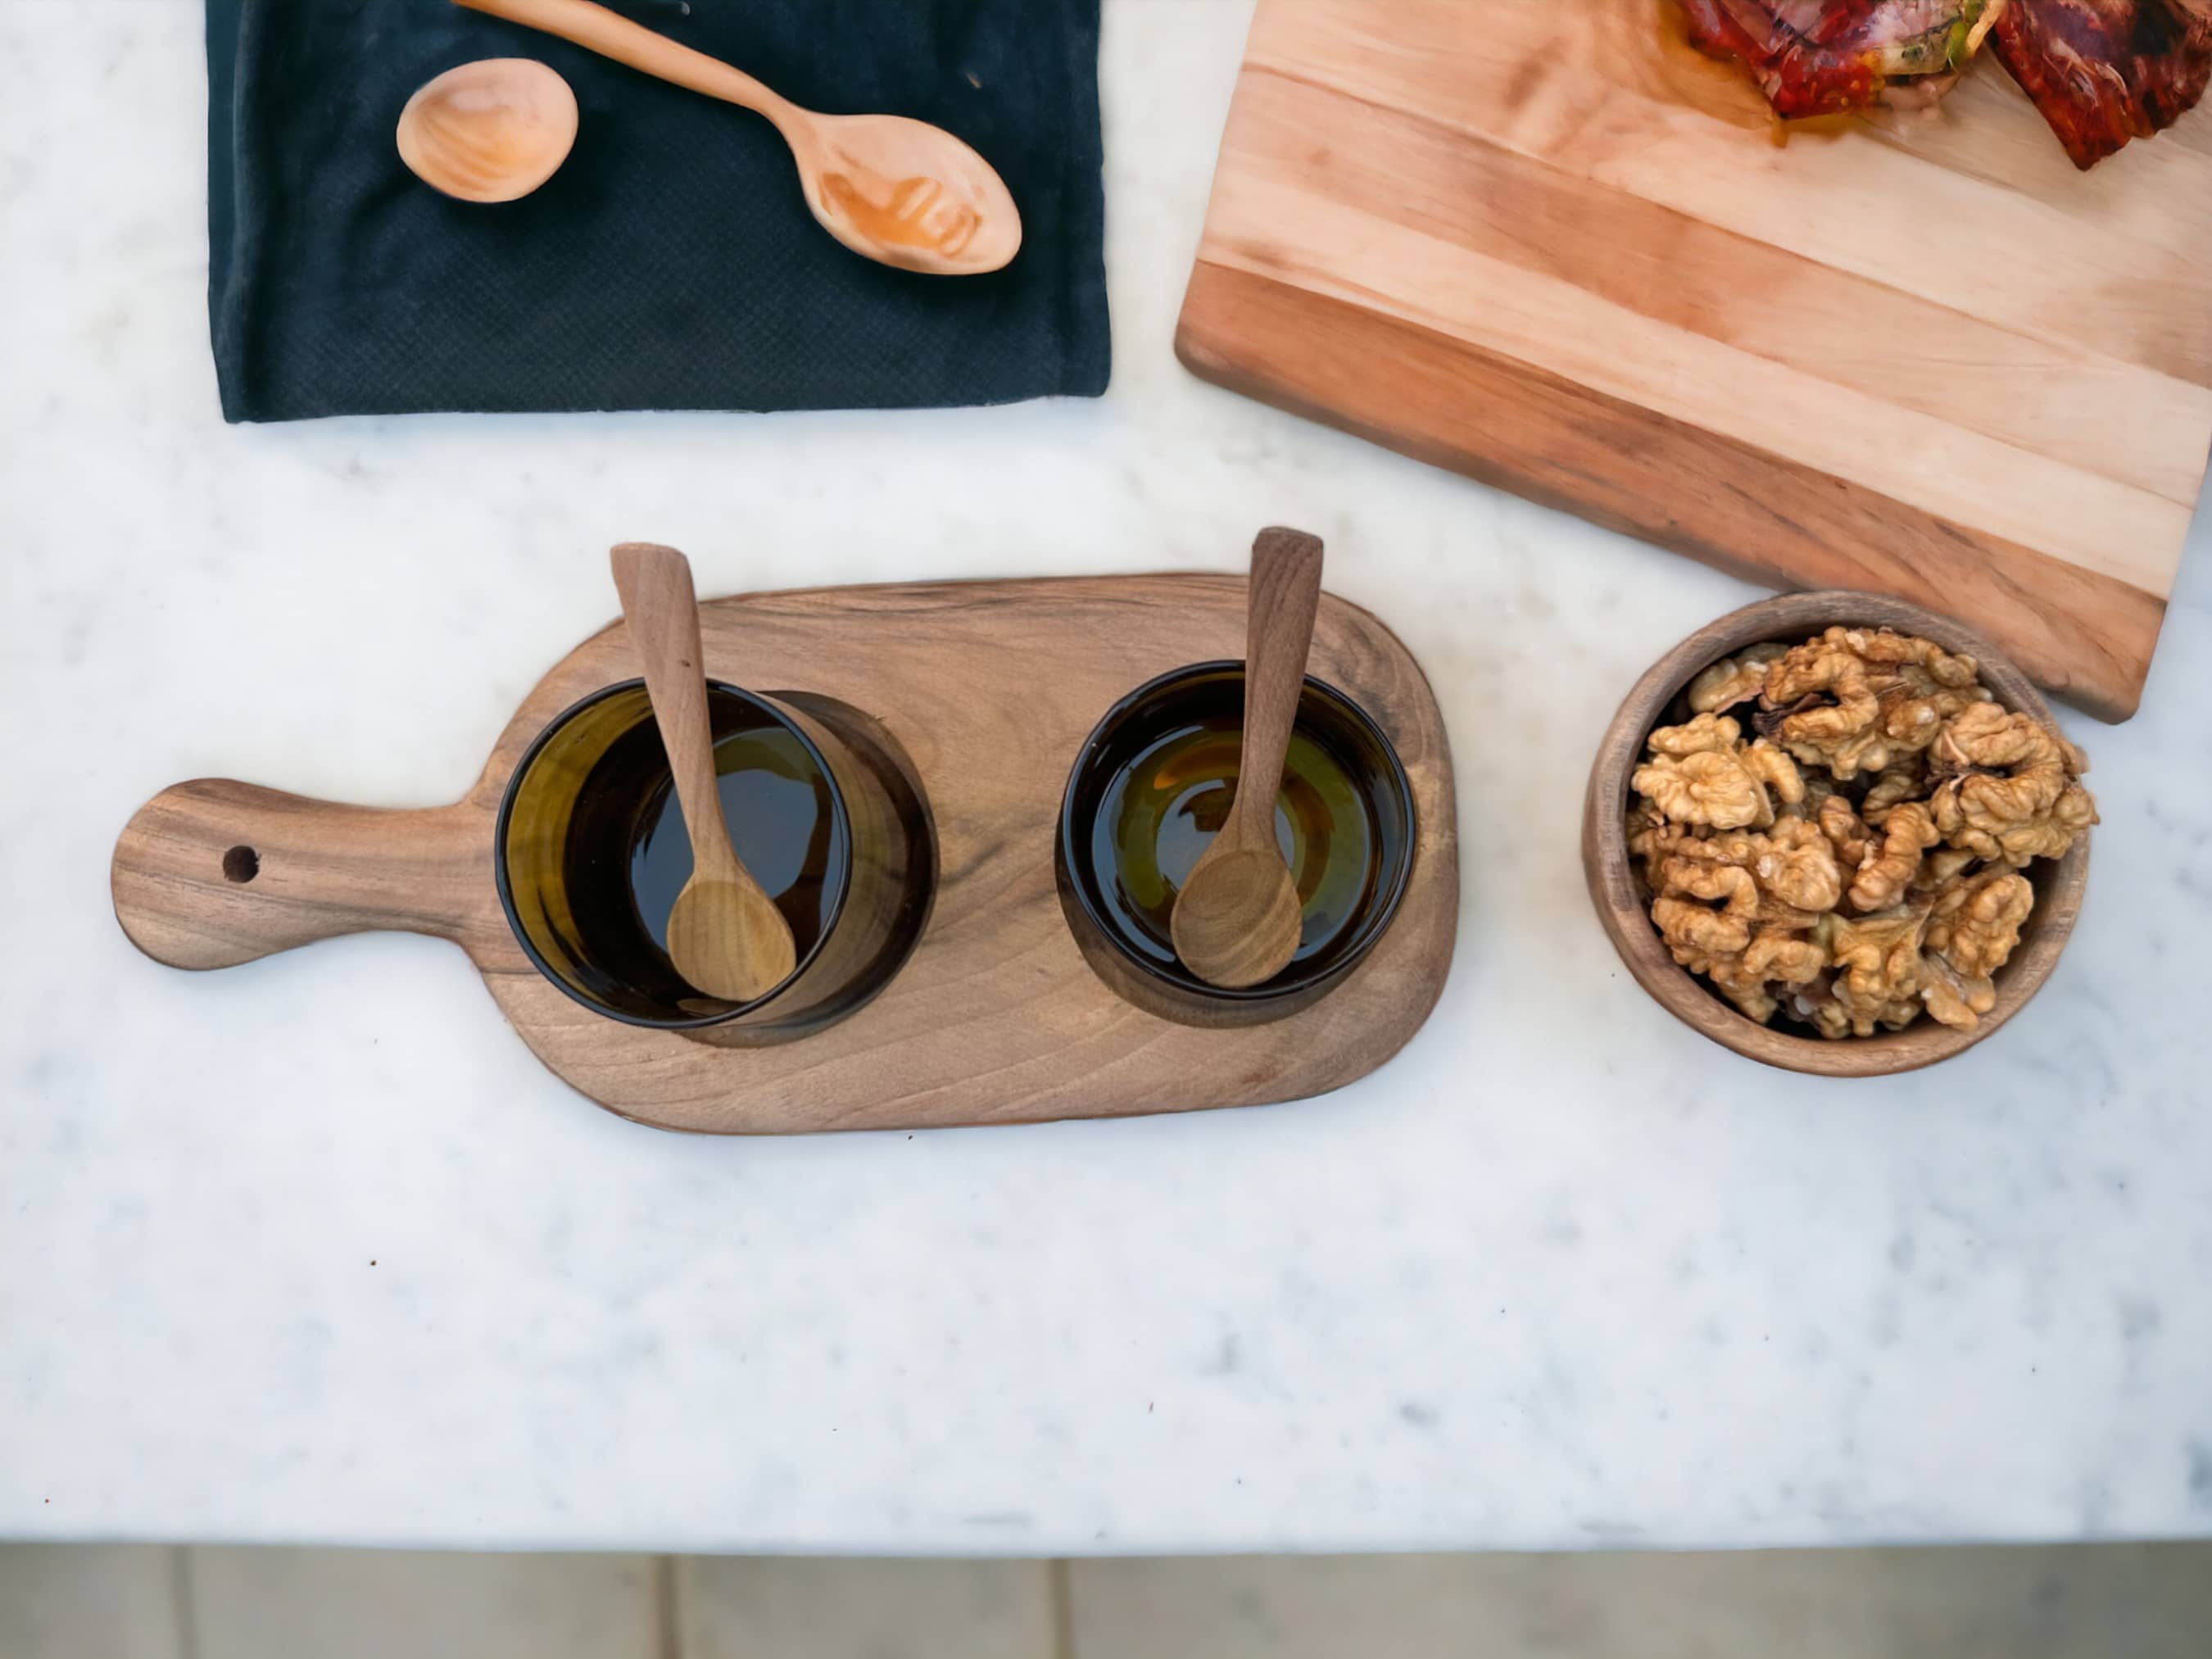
(1839, 834)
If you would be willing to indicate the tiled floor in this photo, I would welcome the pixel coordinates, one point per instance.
(2107, 1602)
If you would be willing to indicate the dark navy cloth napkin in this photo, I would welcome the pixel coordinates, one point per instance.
(671, 262)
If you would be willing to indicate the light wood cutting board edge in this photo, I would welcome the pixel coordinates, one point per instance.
(1274, 318)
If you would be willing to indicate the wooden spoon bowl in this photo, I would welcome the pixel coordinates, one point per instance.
(906, 193)
(492, 130)
(1624, 909)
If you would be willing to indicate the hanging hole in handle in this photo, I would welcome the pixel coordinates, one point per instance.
(241, 864)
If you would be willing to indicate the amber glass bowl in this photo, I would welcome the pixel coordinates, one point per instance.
(590, 852)
(1151, 785)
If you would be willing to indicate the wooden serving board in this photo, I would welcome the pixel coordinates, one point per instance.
(990, 689)
(1546, 243)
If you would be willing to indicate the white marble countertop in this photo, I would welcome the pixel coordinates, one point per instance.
(314, 1249)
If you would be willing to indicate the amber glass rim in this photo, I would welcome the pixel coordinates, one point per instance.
(554, 727)
(1371, 928)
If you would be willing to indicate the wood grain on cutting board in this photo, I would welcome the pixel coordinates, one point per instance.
(1544, 242)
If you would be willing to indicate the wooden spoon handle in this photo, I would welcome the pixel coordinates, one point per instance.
(1278, 628)
(611, 35)
(662, 610)
(211, 873)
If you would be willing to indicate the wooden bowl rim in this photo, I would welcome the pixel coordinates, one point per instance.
(1620, 906)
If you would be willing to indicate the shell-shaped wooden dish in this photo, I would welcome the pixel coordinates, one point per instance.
(1624, 909)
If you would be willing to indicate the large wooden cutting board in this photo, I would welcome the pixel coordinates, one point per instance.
(1544, 242)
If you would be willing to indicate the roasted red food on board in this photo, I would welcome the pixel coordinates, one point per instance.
(2104, 71)
(2101, 71)
(1829, 57)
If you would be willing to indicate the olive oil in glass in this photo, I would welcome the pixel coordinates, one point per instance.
(1153, 784)
(595, 851)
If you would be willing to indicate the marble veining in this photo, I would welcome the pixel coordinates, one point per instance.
(314, 1249)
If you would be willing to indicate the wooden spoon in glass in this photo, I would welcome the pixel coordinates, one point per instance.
(901, 191)
(1237, 919)
(489, 131)
(725, 936)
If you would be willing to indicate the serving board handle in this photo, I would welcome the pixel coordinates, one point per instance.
(211, 873)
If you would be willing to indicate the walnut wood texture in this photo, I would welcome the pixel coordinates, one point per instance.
(989, 688)
(211, 873)
(1554, 247)
(1626, 912)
